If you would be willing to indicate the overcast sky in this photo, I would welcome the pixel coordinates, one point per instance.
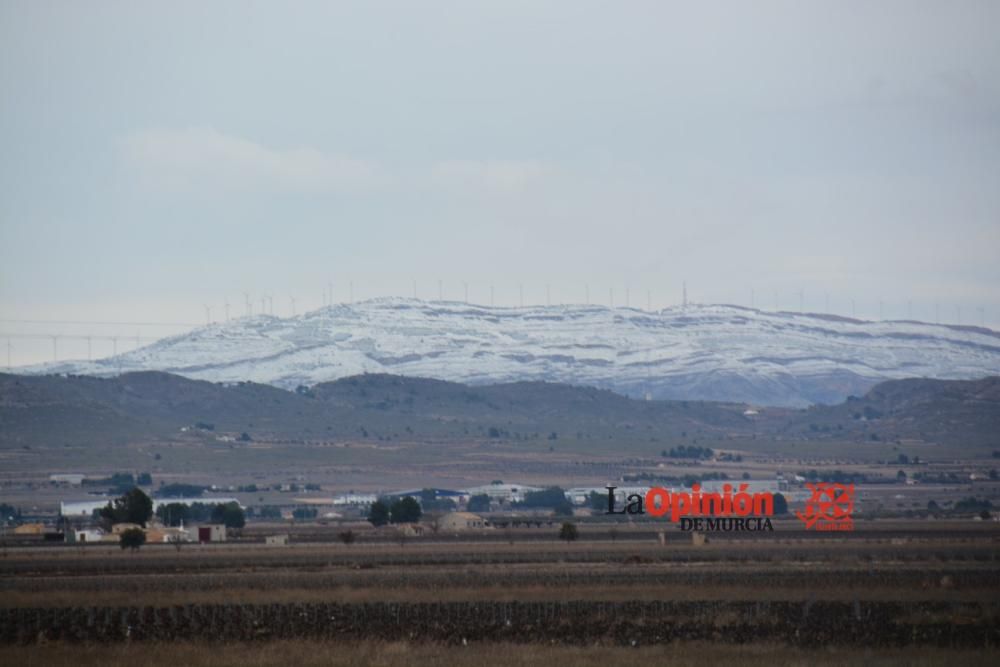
(156, 157)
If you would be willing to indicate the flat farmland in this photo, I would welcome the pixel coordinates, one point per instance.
(872, 590)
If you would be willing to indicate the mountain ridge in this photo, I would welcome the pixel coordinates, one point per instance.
(701, 352)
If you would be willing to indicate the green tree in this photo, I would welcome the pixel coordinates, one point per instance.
(131, 507)
(133, 538)
(378, 513)
(480, 503)
(553, 496)
(597, 501)
(405, 510)
(173, 514)
(780, 504)
(568, 532)
(229, 514)
(564, 508)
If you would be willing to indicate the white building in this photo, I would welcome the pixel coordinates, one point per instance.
(71, 478)
(508, 493)
(355, 499)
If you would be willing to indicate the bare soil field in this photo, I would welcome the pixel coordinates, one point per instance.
(310, 653)
(874, 596)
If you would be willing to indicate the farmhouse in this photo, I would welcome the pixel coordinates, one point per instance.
(458, 521)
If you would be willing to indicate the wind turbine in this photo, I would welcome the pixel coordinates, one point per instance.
(292, 299)
(226, 306)
(249, 304)
(208, 314)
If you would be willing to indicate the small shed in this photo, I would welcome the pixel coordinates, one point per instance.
(82, 535)
(215, 532)
(276, 540)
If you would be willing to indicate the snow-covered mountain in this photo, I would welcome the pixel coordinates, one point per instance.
(698, 352)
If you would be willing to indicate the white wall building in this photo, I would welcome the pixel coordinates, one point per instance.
(504, 492)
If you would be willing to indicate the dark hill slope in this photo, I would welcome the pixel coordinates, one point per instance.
(139, 407)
